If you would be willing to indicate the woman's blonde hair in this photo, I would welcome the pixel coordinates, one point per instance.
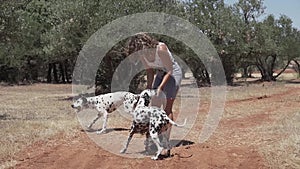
(141, 41)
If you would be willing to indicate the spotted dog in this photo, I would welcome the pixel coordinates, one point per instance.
(106, 103)
(149, 120)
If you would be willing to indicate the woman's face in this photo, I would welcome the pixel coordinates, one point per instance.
(148, 53)
(141, 46)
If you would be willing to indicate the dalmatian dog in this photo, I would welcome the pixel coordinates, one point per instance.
(149, 120)
(106, 103)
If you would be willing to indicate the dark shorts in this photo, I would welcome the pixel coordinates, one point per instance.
(172, 86)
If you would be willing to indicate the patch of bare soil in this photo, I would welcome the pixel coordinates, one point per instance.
(81, 152)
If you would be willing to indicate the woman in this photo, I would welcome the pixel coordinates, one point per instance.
(157, 59)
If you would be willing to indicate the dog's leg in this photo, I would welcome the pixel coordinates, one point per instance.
(94, 121)
(166, 143)
(155, 138)
(105, 113)
(150, 147)
(147, 142)
(132, 131)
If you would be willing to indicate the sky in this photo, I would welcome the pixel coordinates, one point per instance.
(290, 8)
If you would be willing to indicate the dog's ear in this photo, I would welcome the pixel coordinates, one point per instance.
(146, 96)
(84, 100)
(137, 97)
(136, 100)
(147, 99)
(153, 92)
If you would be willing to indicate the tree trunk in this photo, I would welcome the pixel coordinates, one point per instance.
(207, 78)
(298, 67)
(66, 66)
(49, 77)
(55, 73)
(245, 72)
(62, 72)
(202, 77)
(270, 66)
(266, 69)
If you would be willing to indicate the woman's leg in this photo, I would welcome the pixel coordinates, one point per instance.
(167, 131)
(169, 111)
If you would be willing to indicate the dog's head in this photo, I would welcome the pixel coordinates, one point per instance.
(146, 95)
(130, 101)
(79, 103)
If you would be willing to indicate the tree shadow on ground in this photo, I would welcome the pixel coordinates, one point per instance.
(294, 81)
(107, 130)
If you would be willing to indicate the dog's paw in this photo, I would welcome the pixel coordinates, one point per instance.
(165, 154)
(101, 132)
(123, 151)
(154, 158)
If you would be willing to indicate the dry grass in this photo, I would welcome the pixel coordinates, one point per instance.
(32, 113)
(285, 151)
(271, 123)
(263, 116)
(38, 112)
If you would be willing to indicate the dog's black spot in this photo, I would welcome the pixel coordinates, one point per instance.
(153, 132)
(162, 116)
(157, 128)
(160, 125)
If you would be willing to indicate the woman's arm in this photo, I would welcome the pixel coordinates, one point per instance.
(150, 73)
(150, 77)
(166, 60)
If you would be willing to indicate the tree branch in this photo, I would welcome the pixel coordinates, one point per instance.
(282, 70)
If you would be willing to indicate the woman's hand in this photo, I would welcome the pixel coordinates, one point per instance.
(159, 91)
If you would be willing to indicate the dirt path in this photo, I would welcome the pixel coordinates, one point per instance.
(81, 152)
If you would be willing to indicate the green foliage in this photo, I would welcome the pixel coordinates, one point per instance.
(38, 35)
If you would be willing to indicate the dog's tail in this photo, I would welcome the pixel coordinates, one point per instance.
(175, 124)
